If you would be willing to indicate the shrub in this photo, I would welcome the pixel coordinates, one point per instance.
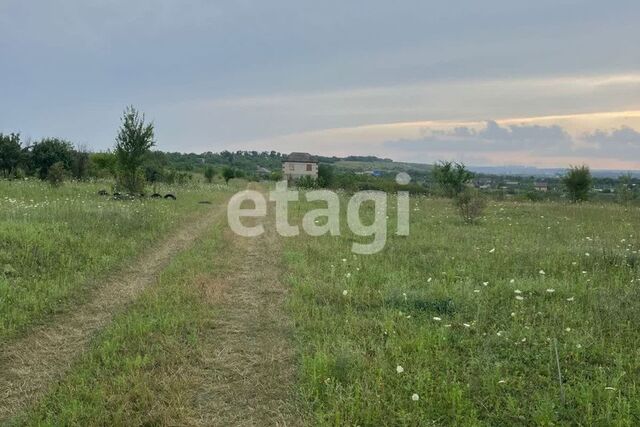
(325, 175)
(56, 174)
(134, 140)
(471, 205)
(307, 182)
(276, 176)
(228, 173)
(50, 151)
(451, 177)
(625, 191)
(10, 153)
(578, 183)
(209, 173)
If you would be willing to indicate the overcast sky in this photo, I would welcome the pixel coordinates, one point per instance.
(493, 82)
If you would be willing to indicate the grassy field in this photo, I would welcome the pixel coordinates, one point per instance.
(471, 325)
(528, 318)
(134, 373)
(57, 242)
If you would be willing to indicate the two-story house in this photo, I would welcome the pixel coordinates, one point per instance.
(297, 165)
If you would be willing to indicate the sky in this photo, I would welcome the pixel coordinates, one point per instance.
(543, 83)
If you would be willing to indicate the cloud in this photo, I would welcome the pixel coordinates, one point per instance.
(494, 141)
(622, 143)
(492, 137)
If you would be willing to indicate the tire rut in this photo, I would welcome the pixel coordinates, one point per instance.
(32, 363)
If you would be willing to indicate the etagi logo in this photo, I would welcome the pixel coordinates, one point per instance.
(282, 196)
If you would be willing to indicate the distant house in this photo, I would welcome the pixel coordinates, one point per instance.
(262, 171)
(541, 186)
(297, 165)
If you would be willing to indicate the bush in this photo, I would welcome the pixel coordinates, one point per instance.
(10, 153)
(471, 205)
(578, 182)
(49, 151)
(625, 191)
(56, 174)
(134, 140)
(451, 177)
(209, 173)
(533, 196)
(307, 182)
(131, 183)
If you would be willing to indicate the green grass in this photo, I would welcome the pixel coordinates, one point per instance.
(135, 372)
(442, 304)
(55, 243)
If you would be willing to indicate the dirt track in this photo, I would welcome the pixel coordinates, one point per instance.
(29, 365)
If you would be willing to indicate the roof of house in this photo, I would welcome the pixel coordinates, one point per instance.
(301, 158)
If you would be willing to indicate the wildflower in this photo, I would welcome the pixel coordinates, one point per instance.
(502, 382)
(485, 283)
(609, 388)
(399, 369)
(344, 260)
(517, 291)
(513, 314)
(345, 292)
(429, 280)
(551, 290)
(519, 298)
(437, 319)
(570, 299)
(499, 333)
(415, 397)
(587, 254)
(466, 325)
(568, 329)
(492, 250)
(578, 345)
(542, 272)
(348, 275)
(477, 291)
(512, 281)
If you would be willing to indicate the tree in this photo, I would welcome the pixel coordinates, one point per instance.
(56, 174)
(134, 140)
(471, 205)
(49, 151)
(276, 175)
(80, 163)
(452, 177)
(325, 175)
(578, 182)
(10, 153)
(209, 173)
(102, 164)
(625, 191)
(227, 174)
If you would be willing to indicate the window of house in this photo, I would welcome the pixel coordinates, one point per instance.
(309, 167)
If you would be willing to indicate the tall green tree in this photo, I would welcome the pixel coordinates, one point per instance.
(209, 173)
(10, 153)
(325, 175)
(134, 140)
(50, 151)
(578, 182)
(452, 177)
(228, 173)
